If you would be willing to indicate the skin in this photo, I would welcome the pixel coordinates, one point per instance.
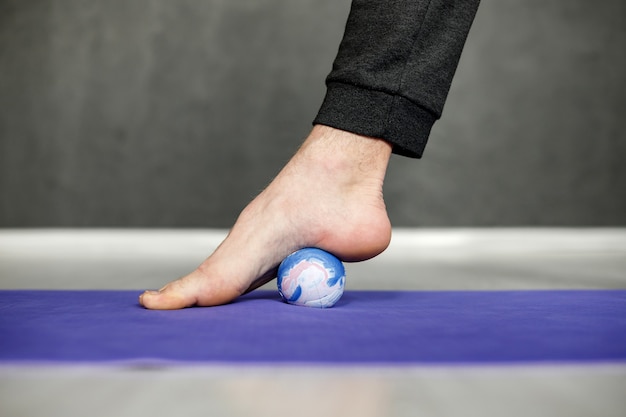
(329, 196)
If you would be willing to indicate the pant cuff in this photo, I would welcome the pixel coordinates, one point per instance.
(377, 114)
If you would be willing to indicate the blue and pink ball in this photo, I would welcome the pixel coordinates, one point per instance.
(311, 277)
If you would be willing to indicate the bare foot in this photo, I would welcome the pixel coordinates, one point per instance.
(328, 196)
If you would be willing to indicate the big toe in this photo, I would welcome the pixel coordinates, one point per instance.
(165, 300)
(175, 295)
(192, 290)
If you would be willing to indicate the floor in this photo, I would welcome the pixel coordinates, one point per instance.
(428, 259)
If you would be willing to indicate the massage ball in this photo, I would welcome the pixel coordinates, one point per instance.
(311, 277)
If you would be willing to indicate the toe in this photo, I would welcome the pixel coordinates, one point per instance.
(164, 300)
(175, 295)
(195, 289)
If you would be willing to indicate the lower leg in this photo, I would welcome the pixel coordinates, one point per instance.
(328, 196)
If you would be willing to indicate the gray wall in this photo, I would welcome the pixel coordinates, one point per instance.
(176, 113)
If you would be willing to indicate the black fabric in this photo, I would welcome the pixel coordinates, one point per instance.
(394, 68)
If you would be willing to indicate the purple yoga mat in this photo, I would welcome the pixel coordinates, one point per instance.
(365, 327)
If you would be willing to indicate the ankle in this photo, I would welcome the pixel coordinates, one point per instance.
(343, 154)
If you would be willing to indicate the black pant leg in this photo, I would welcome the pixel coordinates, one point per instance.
(394, 68)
